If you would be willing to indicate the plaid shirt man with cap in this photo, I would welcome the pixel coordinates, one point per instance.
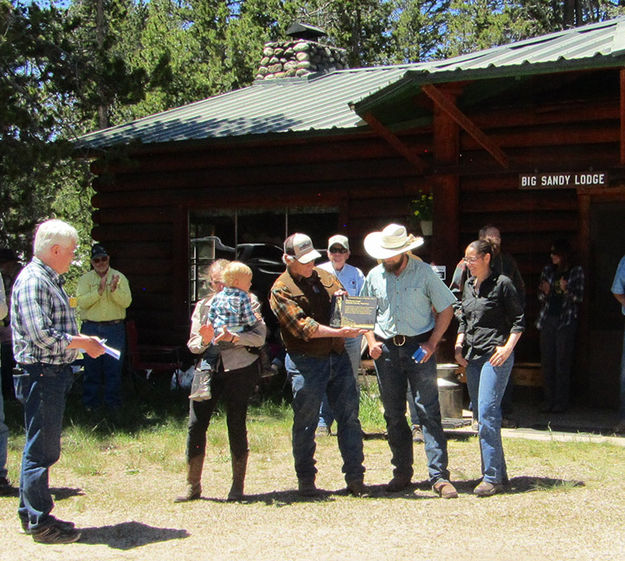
(407, 292)
(316, 362)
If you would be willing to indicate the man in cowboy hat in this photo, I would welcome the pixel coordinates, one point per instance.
(316, 362)
(414, 311)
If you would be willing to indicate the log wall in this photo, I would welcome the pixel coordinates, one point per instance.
(143, 198)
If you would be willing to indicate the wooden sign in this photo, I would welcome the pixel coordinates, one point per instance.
(563, 180)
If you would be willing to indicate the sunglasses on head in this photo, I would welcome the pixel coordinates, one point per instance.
(338, 250)
(100, 259)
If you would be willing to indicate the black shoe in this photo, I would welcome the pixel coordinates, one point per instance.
(52, 521)
(356, 488)
(5, 486)
(398, 483)
(306, 487)
(52, 534)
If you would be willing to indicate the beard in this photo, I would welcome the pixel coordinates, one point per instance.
(394, 267)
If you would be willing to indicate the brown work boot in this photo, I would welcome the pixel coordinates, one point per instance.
(239, 467)
(398, 483)
(486, 489)
(445, 490)
(194, 480)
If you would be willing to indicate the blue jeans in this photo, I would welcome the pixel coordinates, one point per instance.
(4, 440)
(395, 369)
(486, 384)
(42, 389)
(311, 377)
(105, 369)
(353, 350)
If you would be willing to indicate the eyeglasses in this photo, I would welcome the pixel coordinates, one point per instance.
(337, 250)
(100, 259)
(469, 260)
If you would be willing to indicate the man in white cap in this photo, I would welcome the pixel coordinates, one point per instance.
(414, 311)
(316, 362)
(352, 280)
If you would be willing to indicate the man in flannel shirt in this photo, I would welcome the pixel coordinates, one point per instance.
(316, 362)
(45, 344)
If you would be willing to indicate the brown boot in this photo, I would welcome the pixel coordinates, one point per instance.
(194, 480)
(239, 467)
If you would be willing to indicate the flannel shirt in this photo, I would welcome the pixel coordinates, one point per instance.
(232, 308)
(301, 306)
(573, 296)
(42, 321)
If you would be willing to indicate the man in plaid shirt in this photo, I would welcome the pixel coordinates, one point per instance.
(316, 362)
(45, 343)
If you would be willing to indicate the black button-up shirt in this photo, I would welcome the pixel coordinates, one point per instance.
(489, 315)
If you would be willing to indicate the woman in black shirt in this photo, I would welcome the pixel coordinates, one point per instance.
(491, 323)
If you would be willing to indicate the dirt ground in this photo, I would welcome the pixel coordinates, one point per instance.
(573, 513)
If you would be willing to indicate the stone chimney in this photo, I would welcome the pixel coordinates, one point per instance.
(301, 55)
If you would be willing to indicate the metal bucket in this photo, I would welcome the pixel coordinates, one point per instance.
(450, 398)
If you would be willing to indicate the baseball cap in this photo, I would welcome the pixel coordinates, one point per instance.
(301, 247)
(338, 239)
(98, 250)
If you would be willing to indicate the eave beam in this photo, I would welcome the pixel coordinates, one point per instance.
(394, 141)
(449, 107)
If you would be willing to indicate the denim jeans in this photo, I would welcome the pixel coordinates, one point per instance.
(4, 440)
(486, 384)
(42, 389)
(395, 369)
(353, 350)
(557, 347)
(235, 387)
(104, 370)
(311, 377)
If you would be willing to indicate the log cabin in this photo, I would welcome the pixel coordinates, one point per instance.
(529, 136)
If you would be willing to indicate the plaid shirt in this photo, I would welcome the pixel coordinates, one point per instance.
(231, 307)
(301, 306)
(570, 300)
(42, 321)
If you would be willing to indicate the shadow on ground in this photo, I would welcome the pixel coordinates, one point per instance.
(421, 490)
(128, 535)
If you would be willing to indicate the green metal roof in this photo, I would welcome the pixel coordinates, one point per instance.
(332, 101)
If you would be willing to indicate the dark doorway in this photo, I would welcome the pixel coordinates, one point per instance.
(607, 246)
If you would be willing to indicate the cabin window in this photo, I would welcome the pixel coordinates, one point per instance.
(257, 234)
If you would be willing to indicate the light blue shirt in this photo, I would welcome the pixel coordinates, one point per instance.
(405, 302)
(618, 285)
(349, 276)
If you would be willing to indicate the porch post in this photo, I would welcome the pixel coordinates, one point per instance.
(446, 189)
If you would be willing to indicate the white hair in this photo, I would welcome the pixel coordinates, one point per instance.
(53, 232)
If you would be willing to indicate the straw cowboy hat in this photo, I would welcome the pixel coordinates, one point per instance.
(391, 241)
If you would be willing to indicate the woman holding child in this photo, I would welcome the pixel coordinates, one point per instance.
(490, 325)
(235, 373)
